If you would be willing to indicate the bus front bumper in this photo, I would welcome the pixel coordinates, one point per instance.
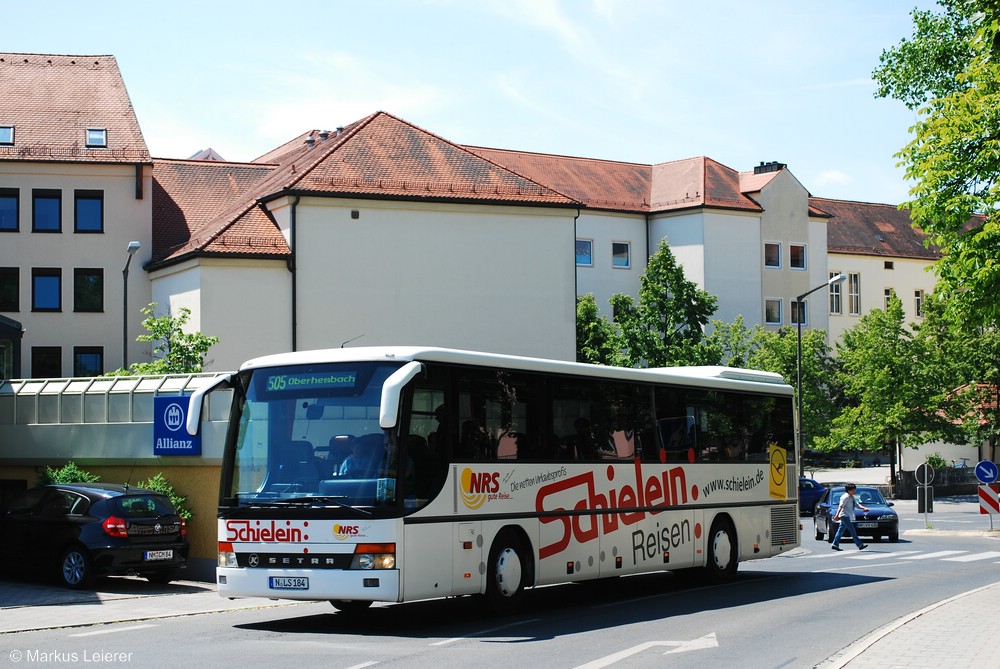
(381, 585)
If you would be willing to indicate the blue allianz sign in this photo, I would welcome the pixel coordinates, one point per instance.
(170, 437)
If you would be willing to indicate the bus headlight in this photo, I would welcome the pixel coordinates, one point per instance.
(374, 556)
(227, 556)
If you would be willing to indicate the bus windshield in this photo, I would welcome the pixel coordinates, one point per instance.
(309, 435)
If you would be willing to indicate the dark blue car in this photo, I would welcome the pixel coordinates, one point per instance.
(82, 530)
(877, 522)
(809, 493)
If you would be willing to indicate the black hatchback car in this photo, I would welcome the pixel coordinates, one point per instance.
(879, 521)
(79, 531)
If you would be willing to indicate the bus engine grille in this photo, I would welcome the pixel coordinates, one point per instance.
(784, 523)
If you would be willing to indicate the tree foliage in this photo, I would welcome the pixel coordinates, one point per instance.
(667, 325)
(68, 473)
(950, 70)
(597, 339)
(174, 351)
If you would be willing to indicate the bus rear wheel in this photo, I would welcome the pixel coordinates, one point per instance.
(507, 570)
(722, 554)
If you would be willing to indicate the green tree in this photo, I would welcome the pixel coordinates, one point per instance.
(161, 485)
(950, 70)
(667, 325)
(597, 339)
(174, 351)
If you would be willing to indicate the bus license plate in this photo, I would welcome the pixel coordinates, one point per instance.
(158, 555)
(867, 526)
(288, 583)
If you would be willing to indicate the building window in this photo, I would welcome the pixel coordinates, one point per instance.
(97, 138)
(88, 289)
(621, 255)
(797, 256)
(46, 362)
(46, 289)
(88, 211)
(772, 255)
(889, 264)
(800, 310)
(887, 297)
(854, 294)
(46, 210)
(88, 361)
(835, 296)
(918, 303)
(6, 135)
(10, 289)
(584, 253)
(9, 209)
(772, 311)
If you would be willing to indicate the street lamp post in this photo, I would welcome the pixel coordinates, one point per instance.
(835, 279)
(132, 248)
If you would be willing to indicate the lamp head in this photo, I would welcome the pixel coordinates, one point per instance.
(133, 247)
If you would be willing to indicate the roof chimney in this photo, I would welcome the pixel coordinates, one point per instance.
(772, 166)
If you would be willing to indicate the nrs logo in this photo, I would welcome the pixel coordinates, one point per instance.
(476, 486)
(343, 532)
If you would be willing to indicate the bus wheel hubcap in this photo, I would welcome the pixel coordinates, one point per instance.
(508, 572)
(722, 548)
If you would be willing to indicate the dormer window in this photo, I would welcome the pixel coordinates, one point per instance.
(97, 138)
(6, 135)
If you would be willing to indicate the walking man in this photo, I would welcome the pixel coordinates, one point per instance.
(845, 514)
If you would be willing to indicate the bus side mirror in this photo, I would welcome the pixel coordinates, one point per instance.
(392, 389)
(195, 402)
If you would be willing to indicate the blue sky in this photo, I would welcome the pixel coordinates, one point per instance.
(647, 81)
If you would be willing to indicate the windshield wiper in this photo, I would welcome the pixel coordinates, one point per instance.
(333, 500)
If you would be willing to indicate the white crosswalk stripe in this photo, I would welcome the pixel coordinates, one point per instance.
(988, 555)
(928, 556)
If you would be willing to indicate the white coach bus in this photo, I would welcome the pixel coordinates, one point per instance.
(395, 474)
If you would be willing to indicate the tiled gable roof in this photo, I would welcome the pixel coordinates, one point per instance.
(204, 206)
(863, 228)
(52, 100)
(698, 182)
(598, 184)
(380, 156)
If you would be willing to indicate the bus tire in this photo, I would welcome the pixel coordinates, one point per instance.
(506, 573)
(350, 605)
(723, 557)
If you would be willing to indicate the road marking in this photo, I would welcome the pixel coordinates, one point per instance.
(927, 556)
(363, 665)
(707, 641)
(445, 642)
(988, 555)
(112, 630)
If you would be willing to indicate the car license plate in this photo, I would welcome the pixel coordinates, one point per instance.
(158, 555)
(867, 526)
(288, 583)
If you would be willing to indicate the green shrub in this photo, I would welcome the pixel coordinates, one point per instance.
(68, 473)
(936, 461)
(161, 485)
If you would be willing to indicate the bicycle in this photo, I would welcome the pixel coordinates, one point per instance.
(963, 465)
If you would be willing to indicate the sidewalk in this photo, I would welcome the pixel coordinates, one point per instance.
(36, 605)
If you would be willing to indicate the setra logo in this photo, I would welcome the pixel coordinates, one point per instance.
(344, 532)
(476, 486)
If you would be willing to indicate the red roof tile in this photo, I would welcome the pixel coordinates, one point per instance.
(863, 228)
(52, 100)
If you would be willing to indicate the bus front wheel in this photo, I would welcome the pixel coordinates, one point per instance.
(506, 573)
(350, 605)
(722, 555)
